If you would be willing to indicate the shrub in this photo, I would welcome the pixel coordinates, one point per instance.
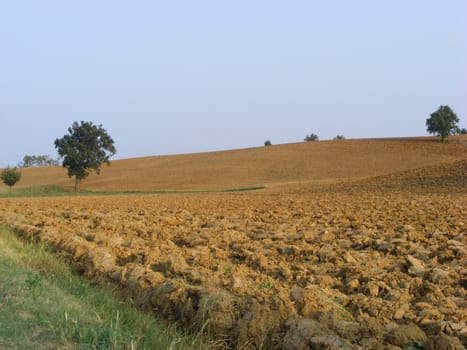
(311, 137)
(10, 177)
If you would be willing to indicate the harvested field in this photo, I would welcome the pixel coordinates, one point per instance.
(362, 262)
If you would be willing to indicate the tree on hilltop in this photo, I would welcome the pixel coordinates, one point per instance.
(85, 148)
(443, 122)
(37, 161)
(311, 137)
(10, 177)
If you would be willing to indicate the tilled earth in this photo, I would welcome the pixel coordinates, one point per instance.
(373, 264)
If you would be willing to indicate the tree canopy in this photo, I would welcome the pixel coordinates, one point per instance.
(10, 177)
(443, 122)
(85, 148)
(311, 137)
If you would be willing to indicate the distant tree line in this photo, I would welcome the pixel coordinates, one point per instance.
(36, 161)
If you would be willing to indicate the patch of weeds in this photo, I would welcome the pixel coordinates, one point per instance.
(70, 328)
(342, 311)
(33, 283)
(80, 288)
(266, 284)
(227, 270)
(101, 337)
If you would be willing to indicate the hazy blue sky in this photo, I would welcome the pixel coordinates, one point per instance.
(167, 77)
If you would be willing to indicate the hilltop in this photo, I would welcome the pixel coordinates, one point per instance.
(305, 162)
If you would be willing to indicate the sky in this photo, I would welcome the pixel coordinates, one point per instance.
(183, 76)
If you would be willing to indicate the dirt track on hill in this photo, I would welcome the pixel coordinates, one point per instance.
(378, 263)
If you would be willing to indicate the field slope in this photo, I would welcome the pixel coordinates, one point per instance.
(324, 161)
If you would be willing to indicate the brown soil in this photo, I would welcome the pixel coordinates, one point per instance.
(363, 262)
(322, 161)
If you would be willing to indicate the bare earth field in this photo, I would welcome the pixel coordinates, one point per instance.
(352, 245)
(322, 161)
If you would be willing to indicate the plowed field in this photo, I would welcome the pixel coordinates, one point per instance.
(366, 263)
(322, 161)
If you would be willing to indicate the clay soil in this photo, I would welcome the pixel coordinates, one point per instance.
(356, 262)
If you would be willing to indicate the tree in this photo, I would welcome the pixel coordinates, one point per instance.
(267, 143)
(27, 162)
(443, 122)
(339, 137)
(311, 137)
(10, 177)
(42, 160)
(86, 147)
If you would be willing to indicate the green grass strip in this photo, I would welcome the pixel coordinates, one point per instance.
(58, 191)
(43, 305)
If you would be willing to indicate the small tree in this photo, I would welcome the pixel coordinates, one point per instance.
(86, 147)
(311, 137)
(443, 122)
(10, 177)
(267, 143)
(339, 137)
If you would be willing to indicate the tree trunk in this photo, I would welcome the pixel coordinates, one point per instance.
(76, 184)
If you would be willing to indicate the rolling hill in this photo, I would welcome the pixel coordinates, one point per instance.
(312, 162)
